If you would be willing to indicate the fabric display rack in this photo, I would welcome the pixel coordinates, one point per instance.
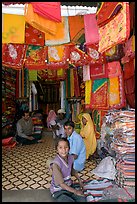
(38, 122)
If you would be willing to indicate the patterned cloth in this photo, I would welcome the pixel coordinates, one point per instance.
(98, 71)
(13, 55)
(121, 24)
(34, 36)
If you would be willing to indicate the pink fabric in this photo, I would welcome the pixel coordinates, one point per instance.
(48, 10)
(91, 29)
(114, 69)
(51, 116)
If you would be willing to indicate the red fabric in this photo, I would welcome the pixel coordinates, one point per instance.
(129, 69)
(48, 10)
(98, 71)
(107, 11)
(95, 56)
(51, 74)
(117, 53)
(17, 84)
(34, 36)
(13, 55)
(76, 82)
(114, 69)
(9, 3)
(130, 91)
(91, 29)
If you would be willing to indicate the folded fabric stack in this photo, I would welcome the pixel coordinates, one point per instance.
(38, 124)
(124, 146)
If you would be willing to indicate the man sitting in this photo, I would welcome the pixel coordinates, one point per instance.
(25, 130)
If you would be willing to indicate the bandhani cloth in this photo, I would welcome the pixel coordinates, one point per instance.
(95, 56)
(120, 24)
(13, 28)
(39, 22)
(77, 56)
(86, 72)
(115, 53)
(117, 97)
(91, 29)
(62, 33)
(129, 50)
(34, 36)
(32, 75)
(129, 69)
(99, 95)
(35, 57)
(114, 69)
(76, 29)
(98, 71)
(13, 55)
(59, 74)
(48, 10)
(88, 88)
(107, 11)
(132, 16)
(97, 116)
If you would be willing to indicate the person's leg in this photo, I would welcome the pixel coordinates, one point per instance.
(63, 196)
(25, 141)
(37, 136)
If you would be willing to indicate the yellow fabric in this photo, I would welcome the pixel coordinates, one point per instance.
(71, 82)
(88, 134)
(60, 72)
(88, 89)
(114, 94)
(13, 28)
(55, 53)
(38, 21)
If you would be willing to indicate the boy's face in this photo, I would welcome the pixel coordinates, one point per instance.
(63, 149)
(68, 130)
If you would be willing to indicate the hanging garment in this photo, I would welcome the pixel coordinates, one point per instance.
(76, 29)
(32, 75)
(13, 28)
(115, 53)
(107, 11)
(99, 94)
(95, 56)
(98, 71)
(48, 10)
(13, 55)
(35, 57)
(88, 88)
(114, 69)
(61, 36)
(120, 24)
(34, 36)
(76, 83)
(39, 22)
(91, 29)
(86, 72)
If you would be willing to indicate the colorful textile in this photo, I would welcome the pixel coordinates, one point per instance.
(32, 75)
(35, 57)
(121, 24)
(91, 29)
(107, 11)
(34, 36)
(76, 83)
(39, 22)
(114, 69)
(115, 53)
(88, 88)
(13, 55)
(59, 74)
(13, 28)
(58, 53)
(48, 10)
(99, 95)
(71, 83)
(62, 33)
(76, 29)
(98, 71)
(95, 56)
(129, 84)
(129, 69)
(117, 84)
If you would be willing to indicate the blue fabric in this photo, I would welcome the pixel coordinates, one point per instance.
(77, 147)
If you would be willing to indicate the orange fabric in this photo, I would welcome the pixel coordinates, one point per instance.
(38, 21)
(114, 95)
(76, 27)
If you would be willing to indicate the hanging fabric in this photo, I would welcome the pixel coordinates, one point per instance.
(61, 36)
(98, 71)
(88, 88)
(94, 55)
(114, 69)
(13, 55)
(33, 36)
(33, 75)
(76, 29)
(121, 24)
(48, 10)
(115, 53)
(13, 28)
(86, 72)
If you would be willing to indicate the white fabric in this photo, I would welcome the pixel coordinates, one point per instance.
(61, 111)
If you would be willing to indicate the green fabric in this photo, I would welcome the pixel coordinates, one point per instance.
(98, 83)
(32, 75)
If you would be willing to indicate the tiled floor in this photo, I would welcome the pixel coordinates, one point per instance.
(24, 167)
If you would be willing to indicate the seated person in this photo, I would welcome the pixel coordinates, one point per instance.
(25, 130)
(60, 120)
